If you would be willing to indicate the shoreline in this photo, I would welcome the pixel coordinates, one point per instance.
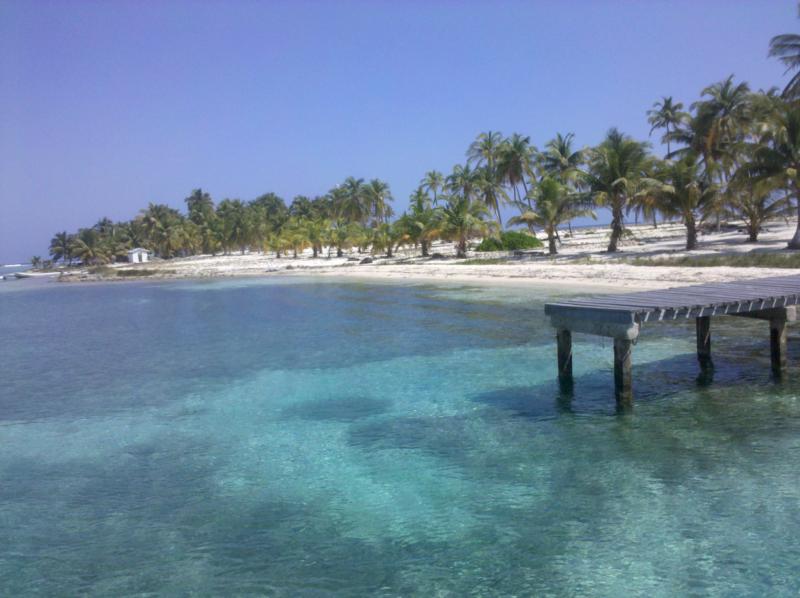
(580, 264)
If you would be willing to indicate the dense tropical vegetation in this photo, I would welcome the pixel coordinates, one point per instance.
(734, 153)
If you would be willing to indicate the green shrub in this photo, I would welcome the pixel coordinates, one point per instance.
(490, 244)
(509, 240)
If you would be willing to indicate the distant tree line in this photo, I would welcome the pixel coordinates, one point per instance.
(734, 153)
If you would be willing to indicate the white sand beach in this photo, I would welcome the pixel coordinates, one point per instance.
(581, 261)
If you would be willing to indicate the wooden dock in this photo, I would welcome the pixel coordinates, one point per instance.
(622, 316)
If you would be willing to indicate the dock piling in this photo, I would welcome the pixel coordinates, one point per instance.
(564, 340)
(777, 345)
(623, 388)
(703, 326)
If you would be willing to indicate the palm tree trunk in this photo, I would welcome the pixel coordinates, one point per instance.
(527, 197)
(616, 228)
(424, 244)
(795, 242)
(551, 241)
(691, 234)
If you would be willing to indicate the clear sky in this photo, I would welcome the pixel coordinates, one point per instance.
(106, 106)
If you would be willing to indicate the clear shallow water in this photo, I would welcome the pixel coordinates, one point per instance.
(313, 438)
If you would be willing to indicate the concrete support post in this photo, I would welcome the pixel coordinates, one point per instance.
(703, 325)
(777, 345)
(564, 339)
(622, 372)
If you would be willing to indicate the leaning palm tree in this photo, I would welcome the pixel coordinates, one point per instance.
(680, 189)
(667, 115)
(553, 204)
(615, 167)
(786, 48)
(463, 219)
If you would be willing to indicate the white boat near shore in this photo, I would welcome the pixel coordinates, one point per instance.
(36, 274)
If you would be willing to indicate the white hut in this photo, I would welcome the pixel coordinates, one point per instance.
(138, 256)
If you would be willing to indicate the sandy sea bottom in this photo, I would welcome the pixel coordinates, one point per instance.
(299, 438)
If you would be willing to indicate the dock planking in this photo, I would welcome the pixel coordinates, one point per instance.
(621, 317)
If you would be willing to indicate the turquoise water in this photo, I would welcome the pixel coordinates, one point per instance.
(300, 438)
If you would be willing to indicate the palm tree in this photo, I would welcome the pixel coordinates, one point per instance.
(559, 160)
(295, 236)
(433, 182)
(756, 202)
(133, 232)
(60, 247)
(349, 200)
(377, 197)
(422, 223)
(515, 163)
(236, 226)
(161, 225)
(200, 207)
(316, 231)
(554, 204)
(340, 234)
(463, 219)
(786, 48)
(777, 159)
(89, 248)
(615, 167)
(685, 192)
(485, 150)
(463, 181)
(667, 115)
(36, 262)
(386, 237)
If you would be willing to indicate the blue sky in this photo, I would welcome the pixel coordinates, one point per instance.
(107, 106)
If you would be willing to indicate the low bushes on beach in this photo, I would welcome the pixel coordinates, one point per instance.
(510, 240)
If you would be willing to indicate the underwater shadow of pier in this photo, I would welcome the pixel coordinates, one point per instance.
(593, 392)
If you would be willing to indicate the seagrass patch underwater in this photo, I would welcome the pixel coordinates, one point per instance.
(297, 437)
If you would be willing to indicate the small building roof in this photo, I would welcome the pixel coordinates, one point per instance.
(135, 249)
